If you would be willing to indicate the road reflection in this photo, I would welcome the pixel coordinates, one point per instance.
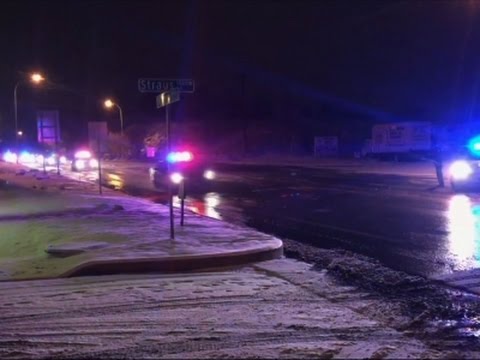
(206, 206)
(464, 231)
(115, 181)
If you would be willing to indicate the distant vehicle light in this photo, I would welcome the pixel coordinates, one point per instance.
(83, 154)
(63, 160)
(176, 178)
(39, 158)
(93, 163)
(51, 160)
(182, 156)
(80, 164)
(460, 170)
(209, 174)
(10, 157)
(26, 157)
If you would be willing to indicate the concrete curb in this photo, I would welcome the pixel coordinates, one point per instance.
(169, 264)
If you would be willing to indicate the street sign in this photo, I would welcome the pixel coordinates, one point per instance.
(167, 98)
(146, 85)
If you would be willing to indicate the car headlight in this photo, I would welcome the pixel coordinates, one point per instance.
(51, 161)
(63, 160)
(460, 170)
(80, 164)
(39, 159)
(176, 178)
(93, 163)
(209, 174)
(26, 157)
(10, 157)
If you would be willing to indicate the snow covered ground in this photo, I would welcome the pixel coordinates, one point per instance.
(84, 228)
(276, 309)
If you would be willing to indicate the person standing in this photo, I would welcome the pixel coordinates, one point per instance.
(438, 161)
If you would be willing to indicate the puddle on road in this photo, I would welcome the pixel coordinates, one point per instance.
(205, 206)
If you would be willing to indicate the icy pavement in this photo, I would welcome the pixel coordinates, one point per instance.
(276, 309)
(109, 233)
(420, 168)
(468, 280)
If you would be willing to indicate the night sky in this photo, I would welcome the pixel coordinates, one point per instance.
(418, 59)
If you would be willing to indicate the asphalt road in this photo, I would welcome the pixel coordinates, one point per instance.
(401, 220)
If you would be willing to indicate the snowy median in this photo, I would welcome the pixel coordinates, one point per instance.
(52, 227)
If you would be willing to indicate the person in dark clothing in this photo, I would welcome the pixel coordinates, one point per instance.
(439, 168)
(438, 162)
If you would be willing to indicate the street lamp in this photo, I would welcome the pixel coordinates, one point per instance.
(109, 104)
(35, 78)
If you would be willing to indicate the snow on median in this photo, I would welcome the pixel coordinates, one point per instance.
(127, 228)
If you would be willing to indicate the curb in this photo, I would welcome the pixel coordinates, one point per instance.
(173, 264)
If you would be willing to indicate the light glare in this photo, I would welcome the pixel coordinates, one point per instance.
(460, 170)
(176, 178)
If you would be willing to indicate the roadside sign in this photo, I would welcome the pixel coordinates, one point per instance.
(147, 85)
(48, 127)
(167, 98)
(325, 145)
(98, 134)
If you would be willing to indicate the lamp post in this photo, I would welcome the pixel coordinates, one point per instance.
(35, 78)
(109, 104)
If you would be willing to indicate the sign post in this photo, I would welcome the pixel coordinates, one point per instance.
(99, 156)
(169, 92)
(163, 100)
(181, 195)
(57, 153)
(170, 193)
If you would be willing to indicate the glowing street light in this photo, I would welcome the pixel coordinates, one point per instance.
(20, 133)
(109, 104)
(35, 78)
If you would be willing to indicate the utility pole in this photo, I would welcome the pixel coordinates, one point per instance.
(245, 120)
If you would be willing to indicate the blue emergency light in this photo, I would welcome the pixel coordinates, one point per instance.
(183, 156)
(474, 145)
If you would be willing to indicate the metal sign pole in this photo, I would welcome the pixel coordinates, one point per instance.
(170, 192)
(182, 202)
(99, 167)
(56, 148)
(163, 100)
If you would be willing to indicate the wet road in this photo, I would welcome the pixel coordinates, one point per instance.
(399, 220)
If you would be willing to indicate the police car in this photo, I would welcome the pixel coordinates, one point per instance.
(179, 166)
(83, 160)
